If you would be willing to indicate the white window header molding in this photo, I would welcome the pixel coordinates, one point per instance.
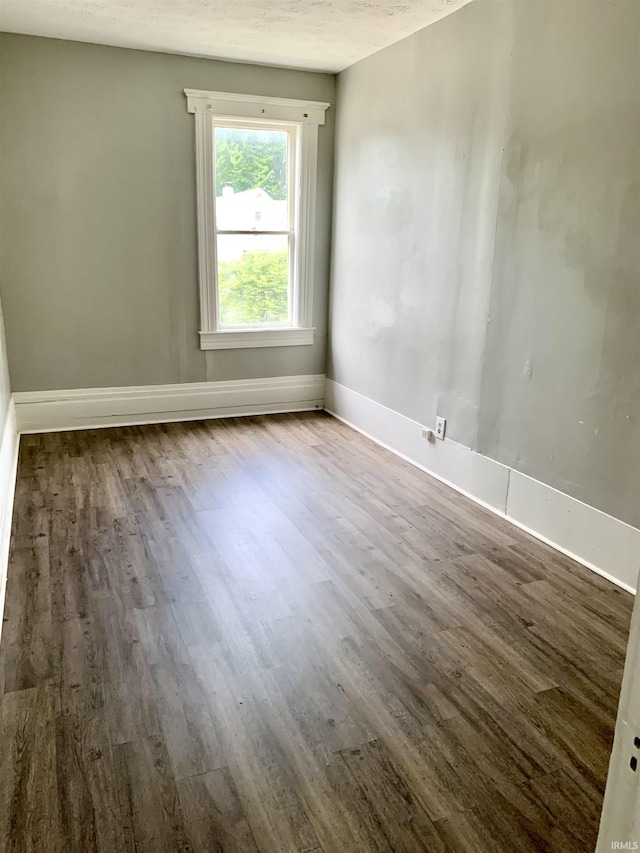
(255, 106)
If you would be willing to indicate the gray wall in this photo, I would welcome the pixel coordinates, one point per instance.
(99, 270)
(486, 252)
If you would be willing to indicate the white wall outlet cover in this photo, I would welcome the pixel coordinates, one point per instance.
(441, 427)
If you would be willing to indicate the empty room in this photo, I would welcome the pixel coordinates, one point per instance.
(319, 426)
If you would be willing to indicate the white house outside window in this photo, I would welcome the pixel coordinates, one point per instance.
(256, 161)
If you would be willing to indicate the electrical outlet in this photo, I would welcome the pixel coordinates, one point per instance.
(441, 428)
(428, 434)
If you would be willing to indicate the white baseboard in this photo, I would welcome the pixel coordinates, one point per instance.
(599, 541)
(8, 470)
(474, 475)
(89, 408)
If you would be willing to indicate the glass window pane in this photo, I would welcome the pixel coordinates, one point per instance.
(251, 179)
(253, 279)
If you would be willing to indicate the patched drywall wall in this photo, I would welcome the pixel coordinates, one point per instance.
(486, 261)
(98, 272)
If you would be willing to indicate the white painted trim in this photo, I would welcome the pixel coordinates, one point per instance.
(600, 542)
(255, 106)
(210, 109)
(620, 820)
(8, 470)
(89, 408)
(242, 338)
(597, 540)
(470, 473)
(206, 206)
(307, 174)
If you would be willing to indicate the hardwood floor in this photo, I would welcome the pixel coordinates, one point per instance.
(271, 635)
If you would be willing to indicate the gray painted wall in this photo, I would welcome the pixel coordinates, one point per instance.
(98, 273)
(486, 254)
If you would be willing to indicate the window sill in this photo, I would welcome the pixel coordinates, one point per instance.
(287, 337)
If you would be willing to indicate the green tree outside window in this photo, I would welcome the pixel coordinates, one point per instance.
(252, 159)
(253, 289)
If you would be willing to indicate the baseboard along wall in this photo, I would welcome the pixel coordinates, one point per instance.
(90, 408)
(599, 541)
(8, 470)
(604, 544)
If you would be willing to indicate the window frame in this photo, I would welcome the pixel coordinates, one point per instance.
(293, 148)
(304, 117)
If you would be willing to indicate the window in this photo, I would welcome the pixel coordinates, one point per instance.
(255, 220)
(256, 161)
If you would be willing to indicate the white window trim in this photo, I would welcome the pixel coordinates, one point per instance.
(306, 116)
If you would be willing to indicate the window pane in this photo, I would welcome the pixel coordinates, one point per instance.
(253, 279)
(251, 179)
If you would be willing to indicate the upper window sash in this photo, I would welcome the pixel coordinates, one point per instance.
(293, 161)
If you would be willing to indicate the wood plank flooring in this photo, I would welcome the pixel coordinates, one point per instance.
(268, 634)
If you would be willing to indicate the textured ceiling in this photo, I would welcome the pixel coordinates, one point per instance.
(326, 35)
